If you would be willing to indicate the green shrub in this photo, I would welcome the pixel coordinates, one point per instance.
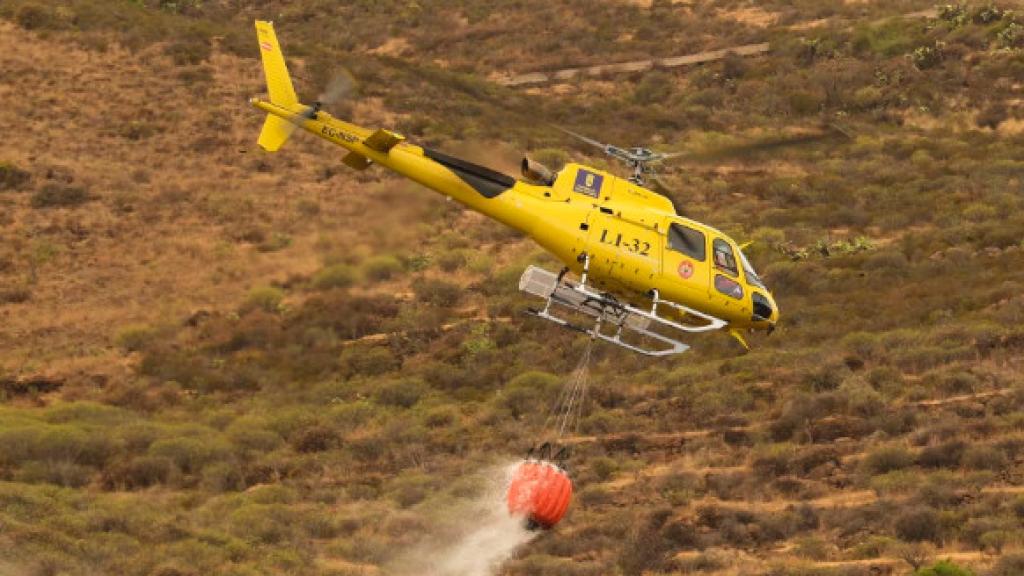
(222, 477)
(335, 276)
(887, 459)
(132, 338)
(995, 540)
(451, 260)
(62, 473)
(983, 457)
(803, 102)
(604, 467)
(55, 195)
(368, 360)
(529, 392)
(437, 292)
(190, 454)
(874, 547)
(410, 489)
(403, 393)
(266, 298)
(895, 482)
(263, 523)
(60, 443)
(382, 267)
(655, 87)
(250, 435)
(141, 472)
(944, 568)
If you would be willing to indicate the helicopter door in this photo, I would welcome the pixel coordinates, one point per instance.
(686, 259)
(624, 250)
(601, 242)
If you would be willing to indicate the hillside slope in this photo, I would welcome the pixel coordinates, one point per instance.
(219, 361)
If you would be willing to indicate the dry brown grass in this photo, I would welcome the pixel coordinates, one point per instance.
(167, 256)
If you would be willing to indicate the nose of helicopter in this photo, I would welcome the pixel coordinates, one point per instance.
(766, 311)
(774, 318)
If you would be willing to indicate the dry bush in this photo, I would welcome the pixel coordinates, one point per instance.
(983, 457)
(945, 455)
(1011, 564)
(381, 267)
(404, 393)
(134, 337)
(190, 454)
(437, 292)
(368, 361)
(887, 459)
(335, 276)
(451, 261)
(12, 177)
(644, 549)
(140, 472)
(61, 473)
(918, 524)
(57, 195)
(15, 295)
(315, 438)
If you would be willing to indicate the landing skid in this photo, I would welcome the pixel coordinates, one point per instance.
(625, 320)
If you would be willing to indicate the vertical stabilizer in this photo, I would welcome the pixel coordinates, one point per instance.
(279, 83)
(276, 129)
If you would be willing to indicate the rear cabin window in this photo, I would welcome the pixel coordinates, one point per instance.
(725, 260)
(688, 241)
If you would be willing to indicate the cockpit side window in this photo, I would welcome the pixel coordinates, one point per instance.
(725, 260)
(688, 241)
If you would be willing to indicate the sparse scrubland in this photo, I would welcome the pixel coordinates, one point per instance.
(218, 361)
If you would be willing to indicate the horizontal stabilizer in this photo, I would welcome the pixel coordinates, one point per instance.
(276, 131)
(383, 140)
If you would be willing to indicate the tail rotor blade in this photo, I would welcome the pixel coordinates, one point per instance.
(341, 85)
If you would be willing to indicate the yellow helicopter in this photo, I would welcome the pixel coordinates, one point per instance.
(647, 276)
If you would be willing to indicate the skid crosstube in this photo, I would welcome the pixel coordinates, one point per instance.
(607, 311)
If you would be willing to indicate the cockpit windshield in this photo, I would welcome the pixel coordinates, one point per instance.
(752, 277)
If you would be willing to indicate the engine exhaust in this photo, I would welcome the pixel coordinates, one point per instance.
(537, 173)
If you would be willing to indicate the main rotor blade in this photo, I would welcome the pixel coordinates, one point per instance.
(660, 183)
(828, 132)
(607, 148)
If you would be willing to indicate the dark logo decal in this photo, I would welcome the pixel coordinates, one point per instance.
(588, 183)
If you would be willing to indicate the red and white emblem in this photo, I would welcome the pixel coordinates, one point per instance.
(685, 269)
(266, 46)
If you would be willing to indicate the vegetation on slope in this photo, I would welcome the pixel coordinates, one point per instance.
(318, 422)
